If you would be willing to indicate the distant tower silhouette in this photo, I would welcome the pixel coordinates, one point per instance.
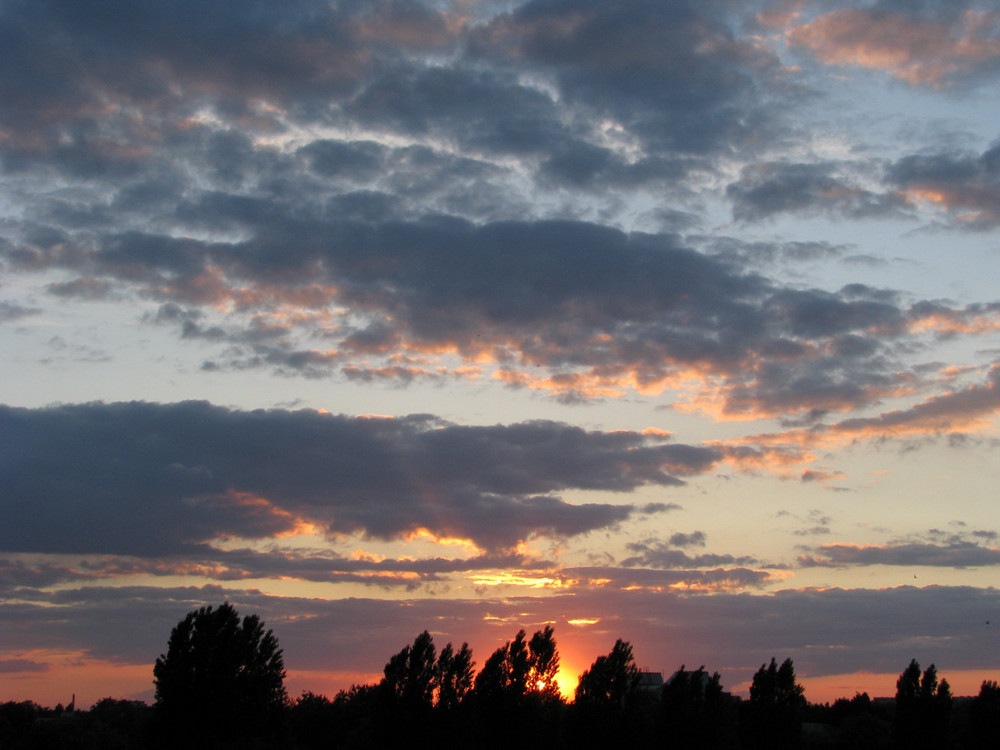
(72, 704)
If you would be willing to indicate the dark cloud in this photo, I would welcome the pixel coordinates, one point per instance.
(957, 554)
(169, 60)
(642, 63)
(146, 479)
(81, 289)
(23, 574)
(659, 555)
(951, 411)
(411, 226)
(106, 95)
(770, 189)
(966, 184)
(18, 666)
(694, 539)
(633, 311)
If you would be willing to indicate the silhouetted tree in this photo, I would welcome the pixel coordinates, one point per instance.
(516, 695)
(984, 715)
(544, 661)
(411, 676)
(313, 721)
(773, 716)
(923, 708)
(605, 701)
(694, 710)
(16, 719)
(221, 682)
(521, 668)
(611, 680)
(120, 723)
(455, 676)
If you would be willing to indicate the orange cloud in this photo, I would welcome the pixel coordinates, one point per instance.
(916, 51)
(953, 322)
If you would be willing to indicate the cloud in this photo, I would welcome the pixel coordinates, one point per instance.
(825, 631)
(23, 574)
(957, 554)
(19, 666)
(965, 185)
(365, 206)
(694, 539)
(962, 409)
(955, 43)
(672, 74)
(11, 311)
(144, 479)
(304, 564)
(770, 189)
(659, 555)
(624, 319)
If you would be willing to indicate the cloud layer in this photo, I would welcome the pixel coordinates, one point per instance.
(682, 315)
(158, 479)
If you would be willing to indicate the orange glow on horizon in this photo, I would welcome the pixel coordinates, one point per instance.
(828, 688)
(68, 673)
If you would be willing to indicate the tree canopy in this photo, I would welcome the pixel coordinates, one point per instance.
(222, 678)
(611, 679)
(521, 668)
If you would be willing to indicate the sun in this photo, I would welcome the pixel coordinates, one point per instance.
(567, 683)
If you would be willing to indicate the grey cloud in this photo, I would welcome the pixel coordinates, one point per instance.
(694, 539)
(967, 184)
(83, 288)
(18, 666)
(12, 311)
(659, 555)
(957, 554)
(376, 65)
(640, 62)
(169, 57)
(149, 479)
(766, 190)
(940, 413)
(17, 574)
(502, 289)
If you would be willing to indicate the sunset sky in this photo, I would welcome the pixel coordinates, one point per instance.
(677, 322)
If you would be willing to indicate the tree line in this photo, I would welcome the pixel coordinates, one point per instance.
(220, 685)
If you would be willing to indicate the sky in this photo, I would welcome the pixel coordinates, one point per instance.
(676, 322)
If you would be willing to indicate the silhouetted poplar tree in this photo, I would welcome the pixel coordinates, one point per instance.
(544, 660)
(521, 668)
(221, 681)
(455, 676)
(693, 710)
(774, 713)
(923, 708)
(606, 696)
(984, 715)
(611, 680)
(411, 676)
(515, 691)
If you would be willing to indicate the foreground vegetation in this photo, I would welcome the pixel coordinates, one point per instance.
(221, 685)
